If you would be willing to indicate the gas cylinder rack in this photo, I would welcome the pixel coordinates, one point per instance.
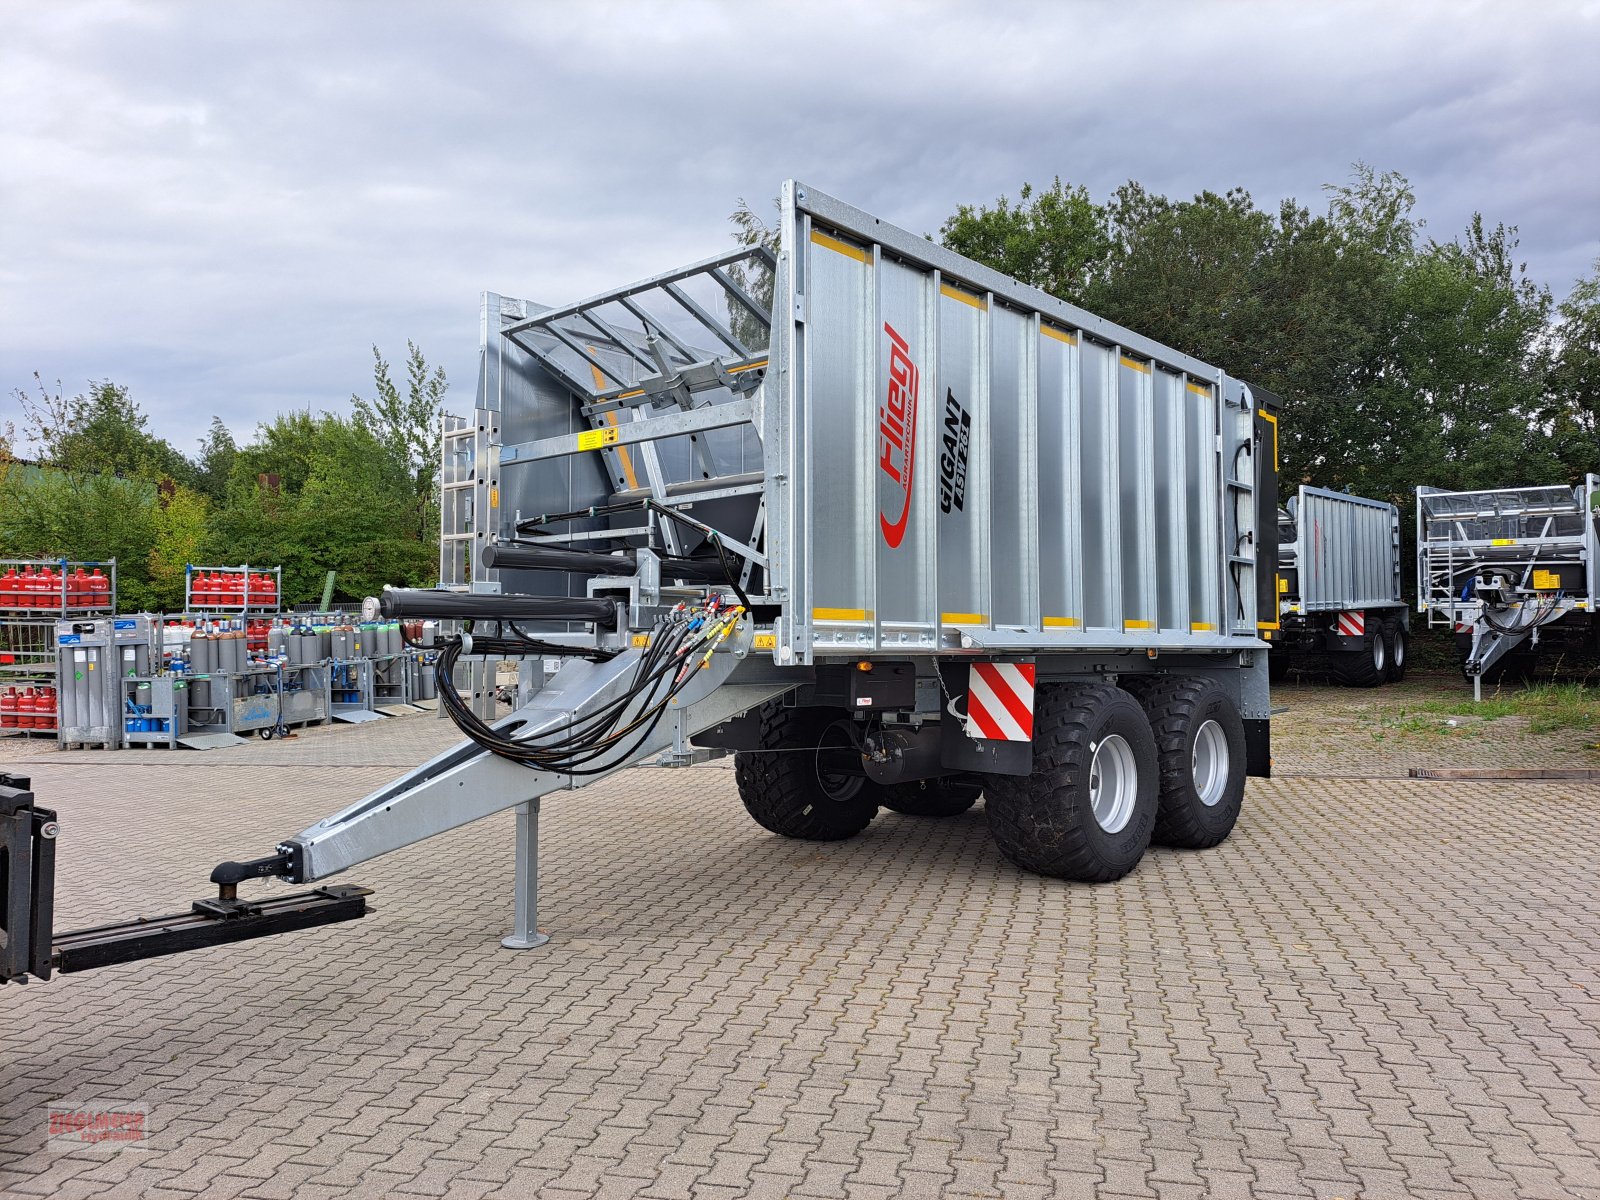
(391, 681)
(94, 655)
(232, 590)
(227, 691)
(34, 594)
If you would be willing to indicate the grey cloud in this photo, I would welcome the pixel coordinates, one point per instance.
(224, 206)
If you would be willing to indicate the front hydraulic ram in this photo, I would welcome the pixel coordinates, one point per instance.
(460, 606)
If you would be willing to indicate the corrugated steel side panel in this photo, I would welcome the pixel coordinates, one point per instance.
(957, 460)
(1348, 551)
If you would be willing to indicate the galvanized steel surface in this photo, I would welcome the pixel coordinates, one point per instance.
(1347, 549)
(937, 458)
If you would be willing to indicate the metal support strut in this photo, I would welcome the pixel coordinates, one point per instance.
(526, 934)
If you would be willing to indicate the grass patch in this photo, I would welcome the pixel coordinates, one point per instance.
(1547, 706)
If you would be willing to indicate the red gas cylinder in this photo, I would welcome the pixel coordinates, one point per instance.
(269, 591)
(47, 709)
(26, 707)
(9, 582)
(9, 701)
(49, 589)
(99, 590)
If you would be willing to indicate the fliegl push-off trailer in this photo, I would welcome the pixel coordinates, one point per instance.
(893, 528)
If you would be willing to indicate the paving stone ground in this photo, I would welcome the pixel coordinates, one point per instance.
(1378, 987)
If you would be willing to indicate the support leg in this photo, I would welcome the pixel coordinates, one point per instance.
(526, 935)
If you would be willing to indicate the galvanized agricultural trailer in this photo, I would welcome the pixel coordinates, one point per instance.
(1509, 569)
(1339, 587)
(894, 528)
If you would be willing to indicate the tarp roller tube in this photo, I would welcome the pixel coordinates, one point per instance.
(461, 606)
(590, 562)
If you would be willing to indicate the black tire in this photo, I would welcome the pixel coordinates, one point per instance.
(949, 796)
(1201, 793)
(1046, 821)
(1277, 665)
(1399, 649)
(1364, 668)
(792, 791)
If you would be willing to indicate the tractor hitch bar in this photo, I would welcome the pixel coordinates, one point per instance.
(27, 904)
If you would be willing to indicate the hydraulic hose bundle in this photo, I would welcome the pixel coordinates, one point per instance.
(680, 645)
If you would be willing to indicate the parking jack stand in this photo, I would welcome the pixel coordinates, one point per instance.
(526, 935)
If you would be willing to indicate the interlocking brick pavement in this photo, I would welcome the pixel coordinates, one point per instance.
(1376, 988)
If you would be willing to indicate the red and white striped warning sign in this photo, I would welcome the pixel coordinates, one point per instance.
(1352, 624)
(1000, 701)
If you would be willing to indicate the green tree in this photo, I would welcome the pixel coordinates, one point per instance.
(178, 532)
(103, 432)
(1056, 240)
(408, 427)
(320, 493)
(1459, 386)
(1573, 403)
(218, 452)
(754, 276)
(48, 513)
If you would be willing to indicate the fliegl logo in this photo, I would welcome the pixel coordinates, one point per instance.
(897, 436)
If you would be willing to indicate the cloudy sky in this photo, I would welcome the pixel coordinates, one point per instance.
(224, 206)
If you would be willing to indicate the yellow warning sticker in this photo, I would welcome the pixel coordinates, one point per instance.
(1283, 585)
(494, 497)
(593, 439)
(1503, 542)
(1546, 581)
(766, 641)
(641, 640)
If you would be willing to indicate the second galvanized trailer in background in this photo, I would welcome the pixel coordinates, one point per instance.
(1339, 587)
(1509, 570)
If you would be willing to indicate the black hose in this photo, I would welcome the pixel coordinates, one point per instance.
(396, 603)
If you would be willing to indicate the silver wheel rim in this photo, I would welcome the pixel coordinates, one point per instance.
(1380, 660)
(1210, 763)
(1399, 648)
(1113, 783)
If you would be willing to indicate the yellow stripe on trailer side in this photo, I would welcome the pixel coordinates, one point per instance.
(838, 614)
(956, 293)
(1060, 335)
(963, 619)
(838, 247)
(1061, 622)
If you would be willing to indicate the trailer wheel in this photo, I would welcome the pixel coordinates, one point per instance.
(805, 787)
(949, 796)
(1367, 667)
(1087, 809)
(1395, 631)
(1200, 748)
